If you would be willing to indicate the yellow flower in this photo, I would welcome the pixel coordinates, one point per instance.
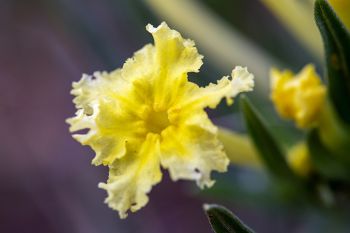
(147, 115)
(298, 97)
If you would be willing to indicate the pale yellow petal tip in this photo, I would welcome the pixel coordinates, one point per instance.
(242, 80)
(165, 32)
(202, 178)
(122, 210)
(298, 97)
(151, 29)
(122, 198)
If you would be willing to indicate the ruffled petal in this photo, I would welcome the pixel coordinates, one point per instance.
(242, 80)
(174, 58)
(194, 97)
(192, 152)
(209, 96)
(90, 89)
(109, 130)
(141, 65)
(132, 177)
(89, 93)
(174, 55)
(112, 107)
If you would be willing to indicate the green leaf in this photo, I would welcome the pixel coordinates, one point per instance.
(337, 47)
(266, 145)
(224, 221)
(324, 161)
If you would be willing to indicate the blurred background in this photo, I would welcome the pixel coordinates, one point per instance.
(46, 181)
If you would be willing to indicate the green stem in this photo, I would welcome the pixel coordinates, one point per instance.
(239, 149)
(333, 132)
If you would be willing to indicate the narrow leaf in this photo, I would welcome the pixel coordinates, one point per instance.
(337, 48)
(266, 145)
(224, 221)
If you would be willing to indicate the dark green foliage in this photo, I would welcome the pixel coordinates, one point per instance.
(324, 161)
(224, 221)
(268, 149)
(337, 50)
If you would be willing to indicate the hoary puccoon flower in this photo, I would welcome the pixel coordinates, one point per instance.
(147, 115)
(298, 97)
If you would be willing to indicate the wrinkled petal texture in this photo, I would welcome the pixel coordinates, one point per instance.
(133, 176)
(298, 97)
(147, 115)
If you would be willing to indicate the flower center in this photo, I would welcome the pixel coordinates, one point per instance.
(156, 122)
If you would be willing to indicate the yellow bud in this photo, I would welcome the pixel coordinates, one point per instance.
(298, 158)
(298, 97)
